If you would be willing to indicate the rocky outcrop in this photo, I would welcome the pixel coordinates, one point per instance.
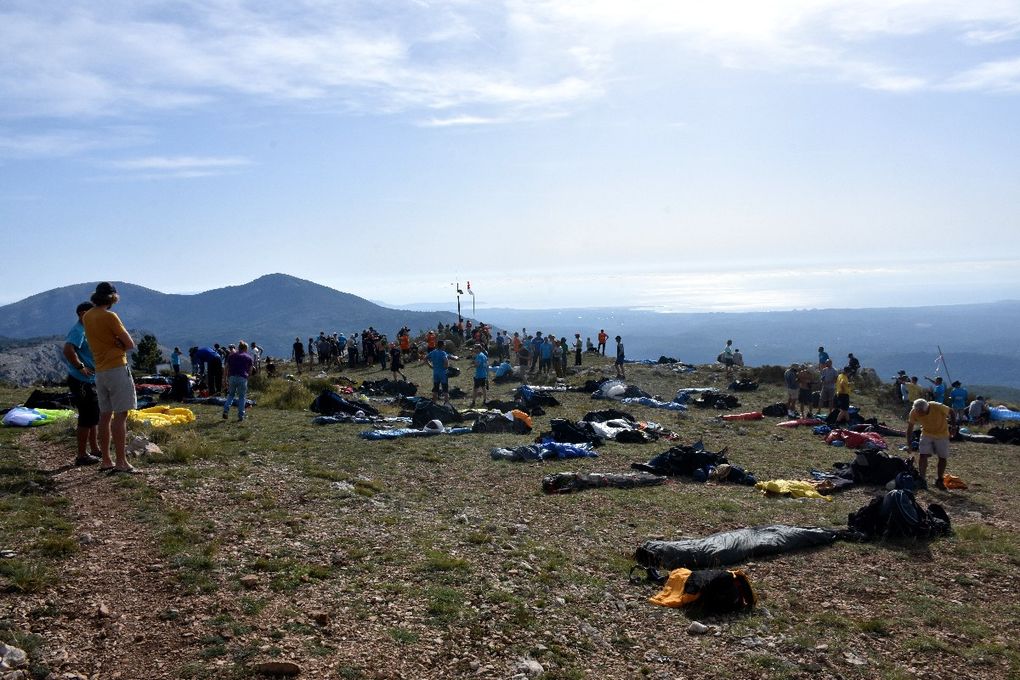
(32, 365)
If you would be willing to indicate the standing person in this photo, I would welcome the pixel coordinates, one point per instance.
(792, 390)
(298, 353)
(545, 363)
(481, 383)
(603, 336)
(805, 378)
(439, 360)
(500, 345)
(352, 351)
(578, 348)
(938, 389)
(239, 367)
(210, 358)
(564, 353)
(536, 351)
(958, 400)
(843, 395)
(81, 381)
(256, 354)
(853, 363)
(523, 359)
(935, 420)
(311, 352)
(823, 356)
(175, 361)
(619, 358)
(828, 378)
(110, 342)
(396, 361)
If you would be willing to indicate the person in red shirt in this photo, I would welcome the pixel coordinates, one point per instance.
(603, 336)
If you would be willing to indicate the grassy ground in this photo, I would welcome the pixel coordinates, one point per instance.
(444, 563)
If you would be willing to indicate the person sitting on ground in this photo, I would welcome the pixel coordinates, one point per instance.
(792, 389)
(738, 359)
(589, 346)
(620, 357)
(726, 357)
(439, 360)
(481, 382)
(843, 395)
(978, 411)
(270, 367)
(958, 400)
(935, 420)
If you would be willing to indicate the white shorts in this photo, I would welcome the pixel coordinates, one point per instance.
(116, 390)
(938, 446)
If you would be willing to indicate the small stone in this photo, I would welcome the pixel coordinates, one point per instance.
(854, 659)
(474, 665)
(12, 657)
(249, 581)
(530, 667)
(86, 539)
(103, 611)
(277, 668)
(462, 519)
(697, 628)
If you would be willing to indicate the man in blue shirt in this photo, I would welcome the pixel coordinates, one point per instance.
(81, 381)
(536, 350)
(213, 362)
(823, 356)
(439, 361)
(958, 400)
(481, 374)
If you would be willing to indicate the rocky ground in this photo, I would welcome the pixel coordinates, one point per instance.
(280, 542)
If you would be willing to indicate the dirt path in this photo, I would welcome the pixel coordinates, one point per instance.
(115, 611)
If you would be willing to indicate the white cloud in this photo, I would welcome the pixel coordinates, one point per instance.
(522, 56)
(178, 163)
(993, 76)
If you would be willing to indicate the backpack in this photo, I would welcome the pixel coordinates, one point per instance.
(426, 410)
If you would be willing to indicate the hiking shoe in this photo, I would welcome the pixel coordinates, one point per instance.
(939, 484)
(86, 460)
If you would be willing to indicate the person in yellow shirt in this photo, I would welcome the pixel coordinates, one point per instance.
(110, 343)
(843, 395)
(935, 420)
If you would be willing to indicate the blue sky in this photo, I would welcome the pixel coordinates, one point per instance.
(669, 155)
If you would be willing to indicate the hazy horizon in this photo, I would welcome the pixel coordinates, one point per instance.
(676, 156)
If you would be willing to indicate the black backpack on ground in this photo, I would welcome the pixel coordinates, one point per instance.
(426, 410)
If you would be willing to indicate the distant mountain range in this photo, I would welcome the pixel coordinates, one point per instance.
(271, 310)
(979, 340)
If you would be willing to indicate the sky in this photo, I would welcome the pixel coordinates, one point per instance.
(676, 156)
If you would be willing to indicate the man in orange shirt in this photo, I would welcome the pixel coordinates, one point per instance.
(110, 343)
(603, 336)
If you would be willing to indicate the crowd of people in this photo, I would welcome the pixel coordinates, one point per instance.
(100, 382)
